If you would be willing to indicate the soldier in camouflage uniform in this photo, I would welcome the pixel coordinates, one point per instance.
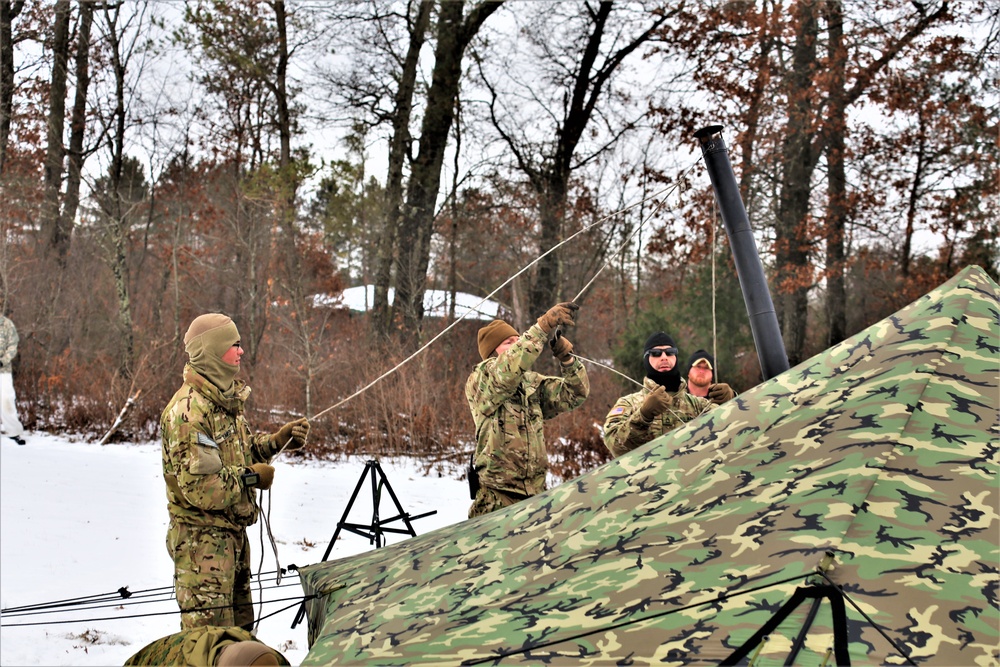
(509, 402)
(212, 463)
(8, 403)
(208, 646)
(661, 405)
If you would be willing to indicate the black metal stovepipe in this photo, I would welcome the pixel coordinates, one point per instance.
(760, 308)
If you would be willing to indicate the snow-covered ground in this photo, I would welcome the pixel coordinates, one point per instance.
(80, 520)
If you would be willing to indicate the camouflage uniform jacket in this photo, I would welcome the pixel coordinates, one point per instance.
(8, 343)
(197, 647)
(207, 446)
(509, 403)
(625, 429)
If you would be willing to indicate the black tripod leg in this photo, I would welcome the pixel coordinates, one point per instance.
(300, 614)
(347, 510)
(395, 500)
(376, 496)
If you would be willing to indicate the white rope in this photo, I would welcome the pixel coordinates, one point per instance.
(715, 338)
(597, 363)
(433, 340)
(628, 239)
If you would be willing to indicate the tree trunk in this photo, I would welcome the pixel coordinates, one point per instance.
(555, 180)
(58, 237)
(545, 290)
(551, 181)
(797, 161)
(8, 12)
(748, 137)
(838, 208)
(287, 178)
(913, 201)
(386, 249)
(453, 235)
(281, 86)
(453, 35)
(119, 213)
(78, 118)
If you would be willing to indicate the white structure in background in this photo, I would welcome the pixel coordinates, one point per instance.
(436, 302)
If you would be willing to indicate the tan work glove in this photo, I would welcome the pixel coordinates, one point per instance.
(293, 434)
(557, 315)
(266, 473)
(720, 393)
(562, 349)
(655, 403)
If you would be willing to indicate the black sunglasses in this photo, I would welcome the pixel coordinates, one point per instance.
(670, 351)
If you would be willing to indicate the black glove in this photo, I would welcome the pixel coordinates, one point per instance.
(562, 349)
(720, 393)
(557, 315)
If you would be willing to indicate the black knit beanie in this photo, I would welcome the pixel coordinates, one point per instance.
(657, 339)
(700, 354)
(671, 380)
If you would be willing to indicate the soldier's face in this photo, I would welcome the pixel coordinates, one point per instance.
(700, 374)
(663, 362)
(504, 346)
(233, 354)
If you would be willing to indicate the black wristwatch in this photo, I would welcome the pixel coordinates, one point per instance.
(250, 478)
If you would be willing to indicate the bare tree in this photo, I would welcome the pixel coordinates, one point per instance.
(125, 188)
(578, 76)
(78, 119)
(58, 236)
(8, 12)
(399, 144)
(455, 31)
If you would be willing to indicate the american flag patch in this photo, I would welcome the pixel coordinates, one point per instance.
(617, 411)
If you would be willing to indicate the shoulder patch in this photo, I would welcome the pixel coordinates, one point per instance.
(207, 441)
(617, 411)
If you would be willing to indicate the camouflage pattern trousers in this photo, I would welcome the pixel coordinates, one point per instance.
(211, 575)
(490, 500)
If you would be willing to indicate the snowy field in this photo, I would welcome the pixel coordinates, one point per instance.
(79, 521)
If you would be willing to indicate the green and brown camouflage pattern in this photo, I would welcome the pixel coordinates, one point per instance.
(510, 403)
(211, 575)
(625, 429)
(199, 647)
(207, 445)
(881, 452)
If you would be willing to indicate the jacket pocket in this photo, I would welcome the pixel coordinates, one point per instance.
(207, 457)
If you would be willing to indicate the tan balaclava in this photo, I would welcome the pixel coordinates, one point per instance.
(492, 335)
(242, 654)
(207, 339)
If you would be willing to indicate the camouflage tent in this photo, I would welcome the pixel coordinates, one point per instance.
(845, 511)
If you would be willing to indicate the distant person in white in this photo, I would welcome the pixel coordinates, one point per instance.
(8, 407)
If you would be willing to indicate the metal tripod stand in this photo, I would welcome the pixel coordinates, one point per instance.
(375, 530)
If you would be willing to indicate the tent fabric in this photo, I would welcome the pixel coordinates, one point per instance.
(871, 467)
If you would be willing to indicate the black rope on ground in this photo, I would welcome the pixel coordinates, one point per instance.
(500, 655)
(157, 597)
(117, 597)
(298, 600)
(121, 593)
